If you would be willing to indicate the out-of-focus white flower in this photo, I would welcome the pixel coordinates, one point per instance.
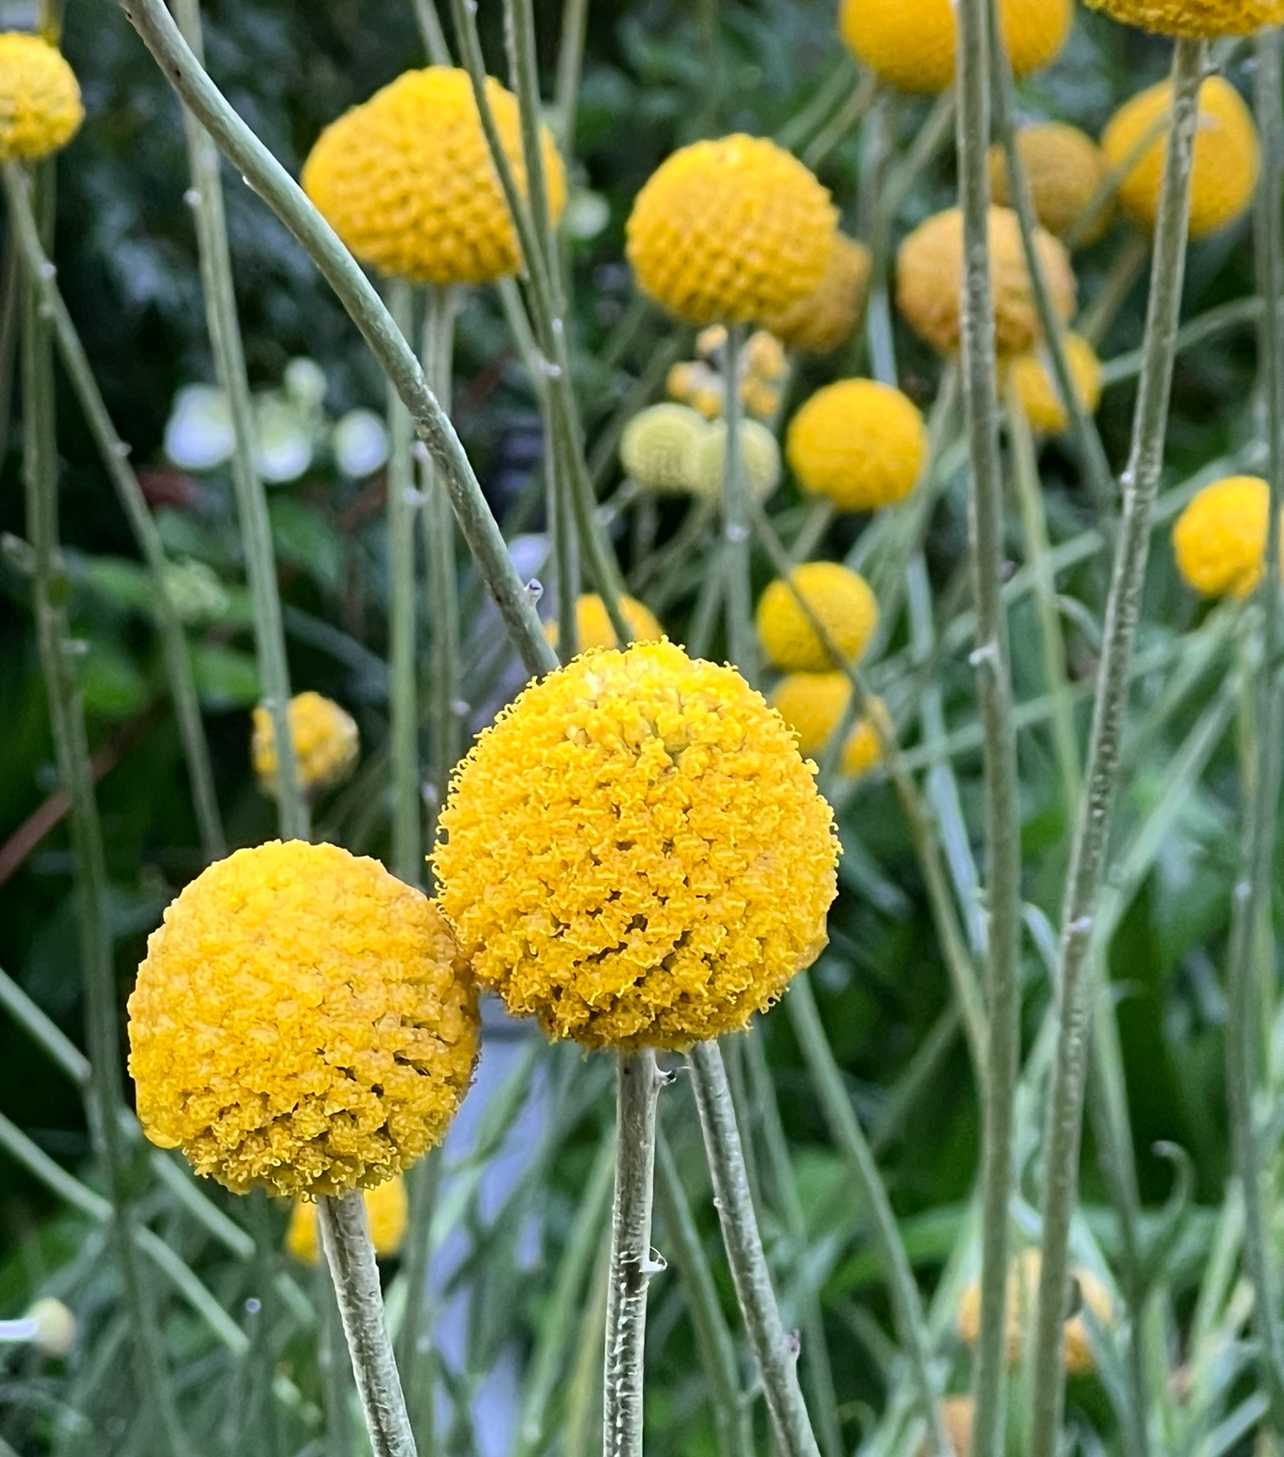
(359, 443)
(283, 438)
(305, 383)
(198, 434)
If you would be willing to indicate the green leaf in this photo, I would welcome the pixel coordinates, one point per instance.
(225, 677)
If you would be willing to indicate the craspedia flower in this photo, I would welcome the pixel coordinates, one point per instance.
(303, 1023)
(1064, 168)
(761, 399)
(386, 1210)
(929, 280)
(1224, 166)
(813, 704)
(656, 446)
(593, 627)
(40, 107)
(958, 1414)
(730, 231)
(827, 317)
(1036, 389)
(912, 43)
(665, 863)
(1219, 540)
(406, 179)
(325, 739)
(860, 443)
(842, 601)
(765, 357)
(759, 460)
(1195, 18)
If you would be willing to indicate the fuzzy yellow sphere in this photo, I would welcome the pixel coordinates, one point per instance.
(1195, 18)
(593, 627)
(813, 704)
(636, 854)
(1036, 390)
(1064, 168)
(841, 599)
(303, 1023)
(406, 179)
(912, 43)
(1224, 168)
(860, 443)
(827, 317)
(656, 446)
(730, 231)
(386, 1210)
(759, 460)
(1219, 540)
(325, 740)
(929, 280)
(40, 107)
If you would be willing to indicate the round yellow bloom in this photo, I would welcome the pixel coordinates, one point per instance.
(958, 1413)
(730, 231)
(1064, 168)
(860, 443)
(1224, 168)
(1022, 1287)
(303, 1023)
(684, 378)
(842, 601)
(813, 704)
(636, 854)
(765, 357)
(386, 1210)
(406, 179)
(593, 624)
(911, 43)
(827, 317)
(1219, 540)
(1036, 389)
(761, 399)
(656, 446)
(1195, 18)
(40, 107)
(325, 739)
(759, 460)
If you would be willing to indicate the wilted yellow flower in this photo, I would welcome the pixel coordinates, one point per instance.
(40, 107)
(635, 853)
(1224, 167)
(842, 601)
(730, 231)
(1064, 168)
(407, 181)
(1219, 540)
(303, 1023)
(1195, 18)
(759, 460)
(386, 1210)
(860, 443)
(593, 624)
(912, 43)
(929, 280)
(958, 1413)
(1036, 389)
(656, 446)
(813, 704)
(827, 317)
(325, 739)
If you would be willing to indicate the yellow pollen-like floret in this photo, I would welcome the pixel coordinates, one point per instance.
(765, 356)
(407, 181)
(325, 740)
(813, 704)
(731, 231)
(656, 446)
(1036, 390)
(593, 627)
(1219, 540)
(759, 460)
(1224, 168)
(827, 317)
(761, 399)
(303, 1023)
(860, 443)
(635, 853)
(40, 106)
(386, 1211)
(838, 597)
(1195, 18)
(1064, 168)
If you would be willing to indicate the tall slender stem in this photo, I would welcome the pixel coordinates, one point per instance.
(1083, 886)
(570, 64)
(433, 35)
(735, 515)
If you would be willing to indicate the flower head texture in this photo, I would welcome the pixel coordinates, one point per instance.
(407, 181)
(302, 1023)
(827, 317)
(386, 1210)
(911, 43)
(635, 853)
(40, 107)
(325, 740)
(1226, 160)
(656, 446)
(1195, 18)
(593, 627)
(759, 460)
(813, 704)
(1219, 540)
(839, 598)
(731, 231)
(1036, 390)
(859, 443)
(929, 281)
(1064, 168)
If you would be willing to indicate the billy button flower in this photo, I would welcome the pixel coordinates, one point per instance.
(1195, 18)
(840, 598)
(759, 460)
(656, 446)
(386, 1211)
(813, 704)
(1036, 390)
(1219, 540)
(593, 625)
(325, 739)
(40, 106)
(860, 443)
(1064, 168)
(827, 317)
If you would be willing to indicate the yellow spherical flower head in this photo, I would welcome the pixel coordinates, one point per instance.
(386, 1210)
(1036, 389)
(765, 357)
(656, 446)
(1064, 168)
(1195, 18)
(761, 399)
(325, 739)
(636, 854)
(813, 704)
(407, 181)
(303, 1023)
(40, 107)
(860, 443)
(827, 317)
(593, 626)
(1219, 540)
(730, 231)
(842, 601)
(929, 281)
(1224, 168)
(1022, 1286)
(759, 460)
(912, 43)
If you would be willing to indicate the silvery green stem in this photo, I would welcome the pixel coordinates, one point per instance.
(570, 64)
(430, 29)
(735, 515)
(1083, 886)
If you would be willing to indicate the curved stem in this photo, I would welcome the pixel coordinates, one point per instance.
(735, 516)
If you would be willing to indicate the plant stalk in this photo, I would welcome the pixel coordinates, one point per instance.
(735, 515)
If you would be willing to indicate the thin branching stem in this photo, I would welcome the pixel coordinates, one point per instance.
(735, 516)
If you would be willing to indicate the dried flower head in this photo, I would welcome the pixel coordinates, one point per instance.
(40, 106)
(1195, 18)
(860, 443)
(656, 446)
(827, 317)
(840, 599)
(386, 1211)
(1064, 168)
(1036, 389)
(759, 460)
(813, 705)
(325, 740)
(593, 627)
(1219, 540)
